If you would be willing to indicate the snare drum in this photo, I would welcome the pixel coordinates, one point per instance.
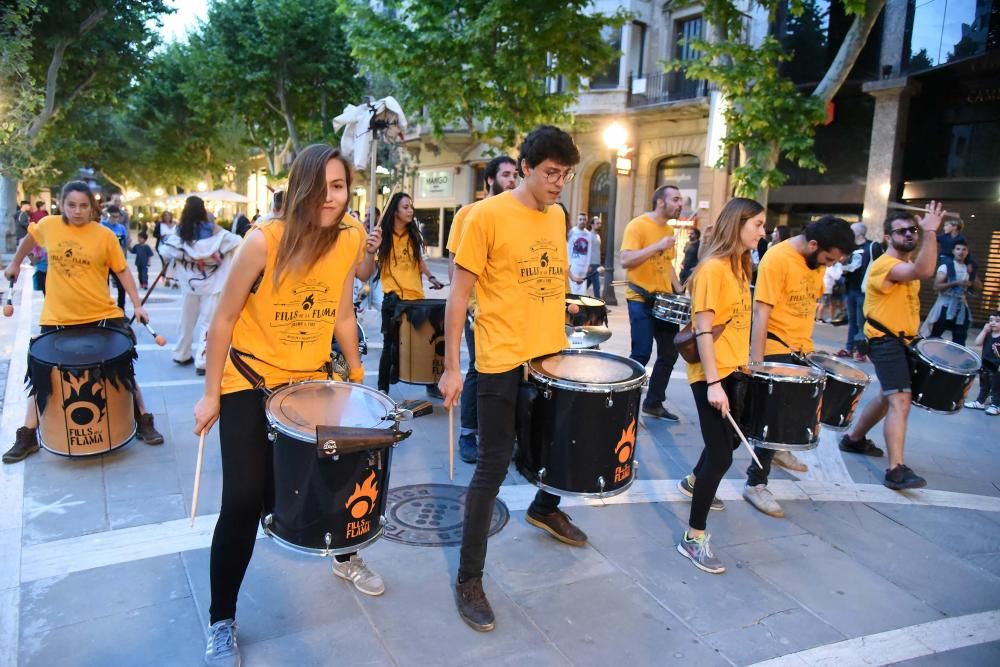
(581, 436)
(421, 341)
(328, 497)
(845, 383)
(83, 381)
(590, 312)
(942, 373)
(781, 405)
(673, 308)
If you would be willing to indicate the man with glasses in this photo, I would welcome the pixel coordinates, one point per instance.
(892, 318)
(647, 255)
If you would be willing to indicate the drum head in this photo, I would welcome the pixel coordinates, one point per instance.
(82, 347)
(579, 369)
(296, 410)
(949, 356)
(838, 369)
(589, 301)
(784, 372)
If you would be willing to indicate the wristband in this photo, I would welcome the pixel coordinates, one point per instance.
(702, 333)
(715, 382)
(356, 375)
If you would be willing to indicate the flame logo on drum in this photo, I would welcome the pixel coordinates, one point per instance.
(626, 444)
(85, 401)
(362, 501)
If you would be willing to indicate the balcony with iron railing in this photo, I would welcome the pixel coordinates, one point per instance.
(663, 88)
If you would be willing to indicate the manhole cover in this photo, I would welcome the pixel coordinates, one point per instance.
(430, 515)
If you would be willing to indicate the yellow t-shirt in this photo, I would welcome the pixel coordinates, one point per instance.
(455, 238)
(351, 221)
(401, 274)
(894, 305)
(785, 282)
(653, 275)
(519, 256)
(76, 286)
(716, 288)
(289, 329)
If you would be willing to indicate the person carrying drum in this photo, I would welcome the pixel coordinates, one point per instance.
(892, 318)
(500, 176)
(288, 292)
(513, 252)
(720, 295)
(647, 255)
(401, 264)
(789, 280)
(81, 253)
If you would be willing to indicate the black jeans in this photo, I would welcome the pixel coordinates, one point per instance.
(959, 332)
(720, 441)
(498, 396)
(246, 479)
(470, 398)
(756, 475)
(989, 386)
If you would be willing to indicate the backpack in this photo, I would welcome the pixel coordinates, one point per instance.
(871, 259)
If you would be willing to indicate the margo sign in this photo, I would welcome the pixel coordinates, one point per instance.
(436, 184)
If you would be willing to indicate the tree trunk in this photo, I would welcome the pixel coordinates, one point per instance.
(8, 204)
(293, 132)
(850, 49)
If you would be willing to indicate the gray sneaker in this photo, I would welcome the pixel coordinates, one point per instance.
(687, 488)
(761, 497)
(699, 553)
(222, 649)
(358, 573)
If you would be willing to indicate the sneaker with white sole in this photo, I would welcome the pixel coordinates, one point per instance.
(357, 572)
(687, 488)
(993, 410)
(975, 405)
(761, 497)
(788, 461)
(222, 649)
(699, 553)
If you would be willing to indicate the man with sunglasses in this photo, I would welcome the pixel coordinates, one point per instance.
(892, 318)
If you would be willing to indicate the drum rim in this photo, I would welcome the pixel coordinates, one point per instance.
(295, 434)
(671, 297)
(838, 376)
(311, 551)
(61, 364)
(588, 387)
(949, 343)
(748, 369)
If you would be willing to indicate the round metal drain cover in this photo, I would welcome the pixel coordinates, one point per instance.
(430, 515)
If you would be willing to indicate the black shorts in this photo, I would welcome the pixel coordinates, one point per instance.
(118, 323)
(892, 363)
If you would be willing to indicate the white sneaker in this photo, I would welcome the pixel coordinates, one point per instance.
(222, 649)
(360, 575)
(993, 411)
(789, 461)
(974, 405)
(761, 497)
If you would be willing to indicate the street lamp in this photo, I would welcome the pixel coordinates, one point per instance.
(614, 139)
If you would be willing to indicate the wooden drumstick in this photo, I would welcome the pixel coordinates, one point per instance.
(160, 340)
(451, 443)
(197, 476)
(743, 439)
(8, 308)
(918, 209)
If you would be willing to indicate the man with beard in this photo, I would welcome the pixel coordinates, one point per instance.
(789, 280)
(501, 175)
(892, 318)
(647, 255)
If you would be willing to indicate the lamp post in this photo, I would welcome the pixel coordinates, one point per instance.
(614, 139)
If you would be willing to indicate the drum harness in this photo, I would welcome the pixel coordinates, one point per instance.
(909, 342)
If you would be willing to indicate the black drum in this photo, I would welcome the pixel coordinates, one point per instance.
(83, 382)
(942, 373)
(580, 435)
(781, 405)
(328, 493)
(585, 311)
(339, 361)
(845, 383)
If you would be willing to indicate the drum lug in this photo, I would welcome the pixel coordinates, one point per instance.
(764, 434)
(330, 447)
(610, 400)
(600, 483)
(268, 520)
(770, 387)
(541, 474)
(546, 393)
(400, 415)
(809, 434)
(272, 435)
(328, 540)
(815, 390)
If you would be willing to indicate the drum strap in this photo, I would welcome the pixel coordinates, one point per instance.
(256, 380)
(795, 353)
(878, 326)
(646, 295)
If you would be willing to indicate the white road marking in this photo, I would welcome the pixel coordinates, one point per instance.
(897, 645)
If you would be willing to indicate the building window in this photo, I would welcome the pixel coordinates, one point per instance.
(600, 190)
(686, 30)
(941, 31)
(683, 172)
(610, 77)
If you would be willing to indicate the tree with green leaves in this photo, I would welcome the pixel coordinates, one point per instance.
(482, 64)
(767, 116)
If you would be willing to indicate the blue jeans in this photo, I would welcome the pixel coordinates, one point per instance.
(646, 329)
(855, 319)
(594, 280)
(470, 421)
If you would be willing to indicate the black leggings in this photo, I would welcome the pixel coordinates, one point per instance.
(389, 342)
(246, 478)
(720, 441)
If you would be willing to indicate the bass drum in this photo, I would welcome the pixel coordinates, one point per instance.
(941, 374)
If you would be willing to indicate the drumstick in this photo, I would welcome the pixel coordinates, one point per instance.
(451, 443)
(8, 308)
(160, 340)
(152, 286)
(907, 207)
(743, 439)
(197, 476)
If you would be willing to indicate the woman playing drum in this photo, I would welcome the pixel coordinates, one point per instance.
(81, 252)
(720, 295)
(288, 292)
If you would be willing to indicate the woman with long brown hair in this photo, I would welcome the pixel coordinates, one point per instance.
(720, 295)
(288, 292)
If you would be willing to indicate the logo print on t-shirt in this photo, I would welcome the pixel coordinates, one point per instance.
(539, 275)
(303, 319)
(68, 257)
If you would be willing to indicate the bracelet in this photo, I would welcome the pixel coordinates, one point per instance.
(716, 382)
(702, 333)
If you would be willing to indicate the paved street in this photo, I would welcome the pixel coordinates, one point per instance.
(101, 566)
